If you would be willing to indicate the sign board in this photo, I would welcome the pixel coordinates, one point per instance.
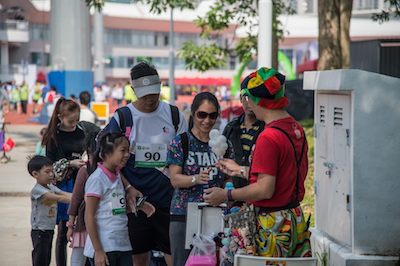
(102, 110)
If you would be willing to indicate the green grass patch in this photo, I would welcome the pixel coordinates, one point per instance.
(308, 201)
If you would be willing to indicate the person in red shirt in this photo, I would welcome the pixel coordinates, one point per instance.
(278, 169)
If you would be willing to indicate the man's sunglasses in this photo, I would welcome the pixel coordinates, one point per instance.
(203, 115)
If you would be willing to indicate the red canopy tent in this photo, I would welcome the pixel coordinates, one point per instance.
(307, 66)
(203, 81)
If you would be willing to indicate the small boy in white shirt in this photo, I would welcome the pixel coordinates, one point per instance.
(44, 198)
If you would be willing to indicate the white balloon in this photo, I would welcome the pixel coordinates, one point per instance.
(224, 146)
(221, 139)
(212, 143)
(219, 152)
(214, 133)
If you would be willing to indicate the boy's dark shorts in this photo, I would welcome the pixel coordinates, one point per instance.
(149, 233)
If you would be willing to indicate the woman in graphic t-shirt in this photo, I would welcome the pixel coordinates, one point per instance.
(193, 172)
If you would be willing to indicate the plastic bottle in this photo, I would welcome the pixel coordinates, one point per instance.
(229, 186)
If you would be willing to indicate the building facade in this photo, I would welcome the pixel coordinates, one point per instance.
(132, 33)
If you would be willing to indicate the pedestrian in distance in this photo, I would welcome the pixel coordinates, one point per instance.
(87, 114)
(24, 97)
(40, 149)
(44, 198)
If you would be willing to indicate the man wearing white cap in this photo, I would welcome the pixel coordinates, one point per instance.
(150, 125)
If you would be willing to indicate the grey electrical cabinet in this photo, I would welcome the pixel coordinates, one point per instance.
(357, 159)
(332, 165)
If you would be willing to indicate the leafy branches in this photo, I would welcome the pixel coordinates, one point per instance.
(221, 16)
(97, 4)
(156, 6)
(203, 57)
(160, 6)
(393, 8)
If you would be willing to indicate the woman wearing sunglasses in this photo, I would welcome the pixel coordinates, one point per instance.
(192, 168)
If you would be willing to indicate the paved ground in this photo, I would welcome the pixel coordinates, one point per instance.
(15, 185)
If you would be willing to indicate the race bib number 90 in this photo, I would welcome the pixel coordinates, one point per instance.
(118, 202)
(150, 155)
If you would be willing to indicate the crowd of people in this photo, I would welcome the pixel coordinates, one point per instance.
(119, 193)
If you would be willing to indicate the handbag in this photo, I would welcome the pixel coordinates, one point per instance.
(241, 228)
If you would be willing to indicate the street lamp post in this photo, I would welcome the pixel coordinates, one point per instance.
(171, 80)
(265, 33)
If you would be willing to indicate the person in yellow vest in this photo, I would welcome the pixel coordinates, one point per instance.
(129, 94)
(37, 93)
(24, 95)
(165, 94)
(15, 99)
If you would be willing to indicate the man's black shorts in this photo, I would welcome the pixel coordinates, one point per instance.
(149, 233)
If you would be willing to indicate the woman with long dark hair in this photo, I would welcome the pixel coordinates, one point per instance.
(64, 141)
(192, 168)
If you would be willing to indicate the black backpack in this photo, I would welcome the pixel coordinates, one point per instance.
(126, 121)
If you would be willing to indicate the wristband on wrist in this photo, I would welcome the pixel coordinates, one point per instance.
(229, 194)
(194, 179)
(127, 187)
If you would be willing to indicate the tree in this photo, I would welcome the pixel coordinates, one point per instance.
(212, 52)
(392, 10)
(334, 30)
(221, 15)
(156, 6)
(334, 33)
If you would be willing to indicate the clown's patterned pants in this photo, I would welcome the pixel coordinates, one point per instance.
(283, 234)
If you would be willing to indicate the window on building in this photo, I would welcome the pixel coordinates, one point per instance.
(131, 61)
(161, 62)
(111, 64)
(166, 40)
(365, 4)
(40, 59)
(126, 37)
(39, 32)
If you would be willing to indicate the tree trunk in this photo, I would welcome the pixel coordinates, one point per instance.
(275, 39)
(346, 7)
(330, 56)
(275, 48)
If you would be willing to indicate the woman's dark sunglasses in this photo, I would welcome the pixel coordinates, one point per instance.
(203, 115)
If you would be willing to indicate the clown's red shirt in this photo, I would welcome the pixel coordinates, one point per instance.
(273, 155)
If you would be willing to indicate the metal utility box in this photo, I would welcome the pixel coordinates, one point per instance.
(357, 159)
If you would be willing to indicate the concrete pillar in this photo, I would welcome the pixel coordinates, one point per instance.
(70, 40)
(4, 58)
(99, 75)
(70, 35)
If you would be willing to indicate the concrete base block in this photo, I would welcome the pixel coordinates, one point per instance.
(332, 253)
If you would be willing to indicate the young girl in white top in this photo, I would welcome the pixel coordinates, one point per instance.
(105, 215)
